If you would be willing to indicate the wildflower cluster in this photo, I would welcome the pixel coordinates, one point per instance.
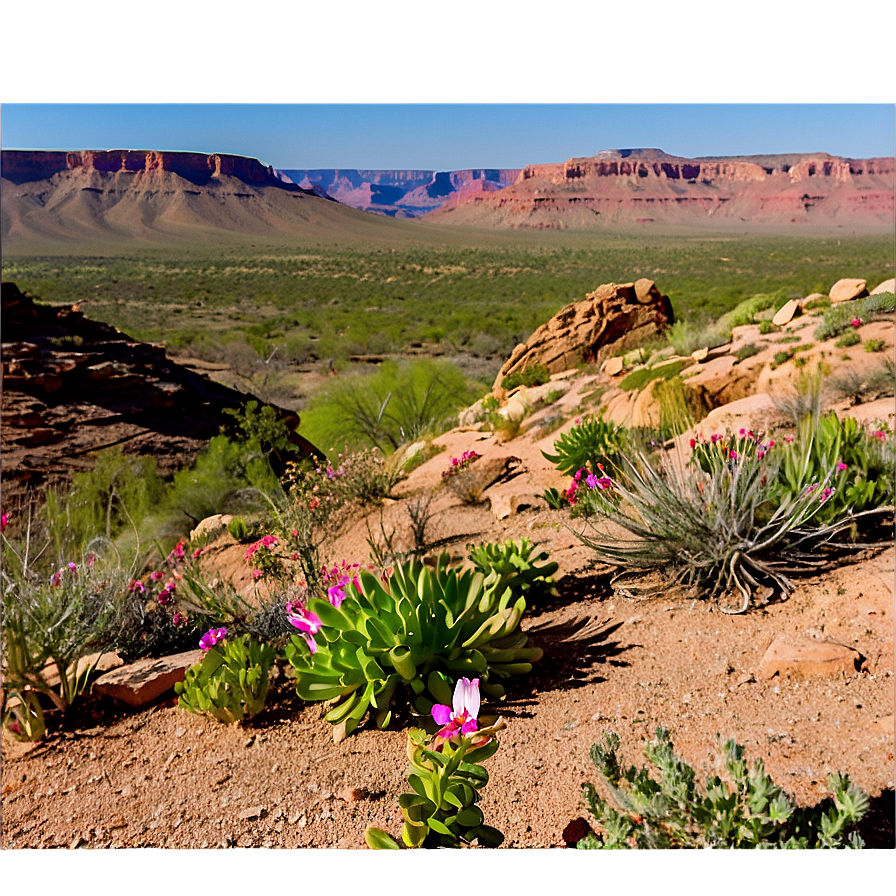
(458, 464)
(445, 778)
(261, 556)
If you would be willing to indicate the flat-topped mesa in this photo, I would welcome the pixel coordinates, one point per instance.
(23, 166)
(615, 316)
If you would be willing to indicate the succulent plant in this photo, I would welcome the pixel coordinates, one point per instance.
(422, 629)
(515, 562)
(588, 443)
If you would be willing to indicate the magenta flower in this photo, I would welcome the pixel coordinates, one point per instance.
(178, 619)
(715, 437)
(137, 587)
(841, 466)
(693, 443)
(74, 568)
(4, 521)
(197, 553)
(56, 579)
(306, 622)
(571, 492)
(461, 718)
(856, 321)
(825, 494)
(257, 573)
(788, 439)
(212, 637)
(879, 435)
(732, 454)
(155, 576)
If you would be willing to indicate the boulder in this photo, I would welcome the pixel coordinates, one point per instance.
(614, 316)
(100, 662)
(803, 656)
(886, 286)
(787, 312)
(646, 409)
(211, 524)
(847, 289)
(613, 366)
(505, 504)
(143, 682)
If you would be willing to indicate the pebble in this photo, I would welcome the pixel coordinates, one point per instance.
(353, 794)
(253, 812)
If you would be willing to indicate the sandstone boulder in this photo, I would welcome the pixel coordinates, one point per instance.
(146, 680)
(886, 286)
(847, 289)
(613, 366)
(803, 656)
(615, 315)
(787, 312)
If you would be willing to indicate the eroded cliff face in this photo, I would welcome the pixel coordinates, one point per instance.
(21, 166)
(401, 193)
(643, 187)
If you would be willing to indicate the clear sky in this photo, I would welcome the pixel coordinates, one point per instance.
(471, 83)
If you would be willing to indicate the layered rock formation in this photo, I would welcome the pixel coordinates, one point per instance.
(614, 317)
(71, 386)
(161, 197)
(649, 188)
(405, 194)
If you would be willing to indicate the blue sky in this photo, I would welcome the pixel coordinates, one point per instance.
(446, 86)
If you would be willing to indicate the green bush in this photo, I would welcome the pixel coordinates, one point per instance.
(638, 379)
(847, 339)
(592, 441)
(230, 683)
(671, 810)
(238, 529)
(766, 327)
(535, 375)
(874, 345)
(400, 402)
(419, 629)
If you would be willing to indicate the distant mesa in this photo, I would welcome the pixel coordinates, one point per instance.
(402, 194)
(650, 189)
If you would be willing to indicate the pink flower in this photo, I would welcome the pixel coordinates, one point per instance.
(856, 321)
(212, 637)
(693, 443)
(732, 453)
(571, 492)
(788, 439)
(306, 622)
(841, 466)
(257, 573)
(56, 579)
(771, 443)
(4, 521)
(295, 533)
(91, 559)
(825, 494)
(461, 718)
(155, 576)
(137, 587)
(197, 553)
(74, 568)
(879, 435)
(178, 619)
(715, 437)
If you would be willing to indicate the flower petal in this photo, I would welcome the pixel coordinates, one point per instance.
(441, 714)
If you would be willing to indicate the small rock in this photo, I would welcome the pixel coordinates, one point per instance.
(787, 312)
(700, 354)
(847, 289)
(745, 678)
(886, 286)
(253, 812)
(613, 366)
(180, 732)
(353, 794)
(142, 682)
(576, 830)
(802, 656)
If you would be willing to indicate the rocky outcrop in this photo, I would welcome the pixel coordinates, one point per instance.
(71, 386)
(613, 317)
(649, 188)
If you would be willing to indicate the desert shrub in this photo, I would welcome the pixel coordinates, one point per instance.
(52, 622)
(592, 441)
(718, 526)
(638, 379)
(781, 358)
(400, 403)
(766, 327)
(671, 810)
(231, 682)
(516, 565)
(838, 318)
(747, 351)
(848, 339)
(260, 429)
(874, 345)
(806, 398)
(745, 312)
(860, 386)
(677, 409)
(554, 498)
(417, 629)
(238, 529)
(534, 375)
(463, 479)
(445, 777)
(118, 493)
(820, 302)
